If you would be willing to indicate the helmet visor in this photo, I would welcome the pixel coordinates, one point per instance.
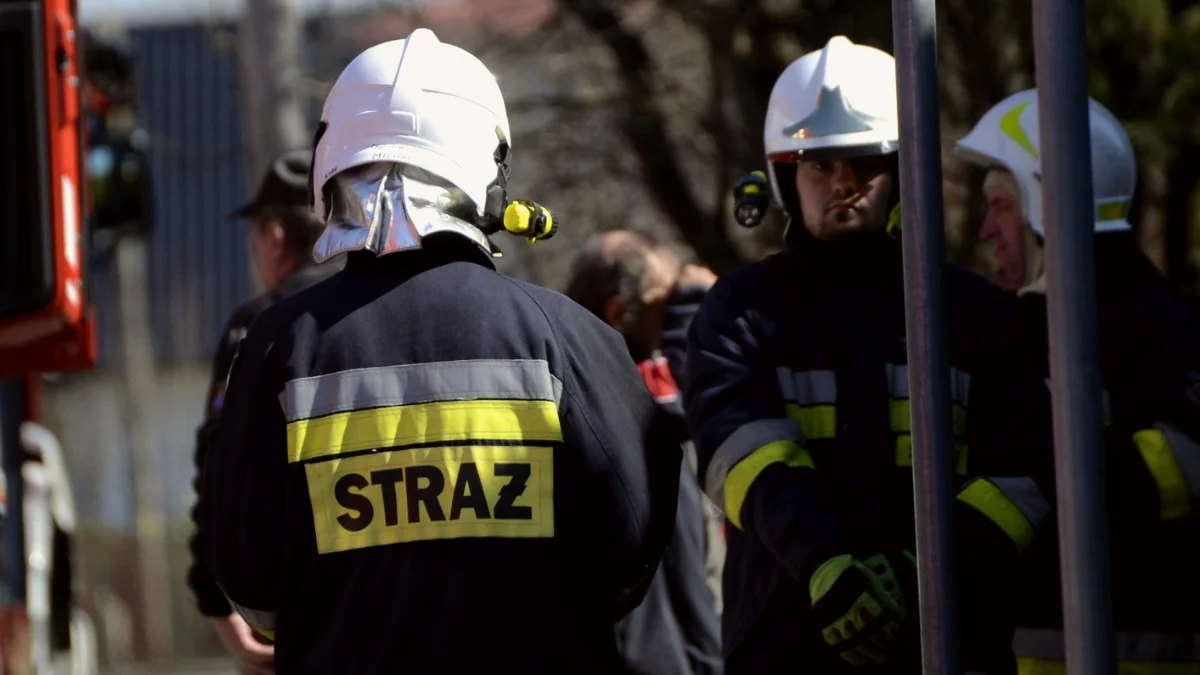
(387, 207)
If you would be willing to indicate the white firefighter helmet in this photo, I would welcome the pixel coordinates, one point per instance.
(414, 139)
(1007, 137)
(836, 103)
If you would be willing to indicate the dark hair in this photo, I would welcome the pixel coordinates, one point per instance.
(600, 273)
(301, 227)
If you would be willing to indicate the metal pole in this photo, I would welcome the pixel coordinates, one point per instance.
(915, 34)
(1068, 208)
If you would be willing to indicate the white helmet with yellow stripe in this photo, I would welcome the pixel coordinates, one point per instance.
(413, 141)
(1007, 137)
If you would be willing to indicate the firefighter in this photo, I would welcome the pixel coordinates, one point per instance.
(1150, 371)
(283, 230)
(423, 465)
(797, 396)
(647, 294)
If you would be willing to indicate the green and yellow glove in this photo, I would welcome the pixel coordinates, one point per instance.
(860, 606)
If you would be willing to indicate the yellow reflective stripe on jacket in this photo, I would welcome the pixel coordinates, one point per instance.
(1041, 651)
(743, 474)
(423, 423)
(900, 417)
(900, 414)
(372, 408)
(772, 440)
(904, 454)
(1028, 666)
(1015, 505)
(810, 399)
(816, 422)
(1173, 459)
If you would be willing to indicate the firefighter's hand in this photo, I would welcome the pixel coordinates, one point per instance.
(252, 656)
(860, 607)
(697, 275)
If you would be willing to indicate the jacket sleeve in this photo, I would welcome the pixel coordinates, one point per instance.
(631, 462)
(1161, 381)
(209, 598)
(1010, 440)
(752, 459)
(244, 482)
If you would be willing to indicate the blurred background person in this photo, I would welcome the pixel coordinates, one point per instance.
(282, 231)
(649, 296)
(1150, 372)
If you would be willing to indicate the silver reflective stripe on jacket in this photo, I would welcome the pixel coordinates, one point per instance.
(1187, 454)
(807, 387)
(897, 383)
(741, 444)
(501, 379)
(1024, 493)
(1047, 644)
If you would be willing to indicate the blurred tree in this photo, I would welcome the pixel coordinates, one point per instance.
(693, 117)
(273, 98)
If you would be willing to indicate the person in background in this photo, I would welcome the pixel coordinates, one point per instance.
(1150, 372)
(282, 232)
(649, 296)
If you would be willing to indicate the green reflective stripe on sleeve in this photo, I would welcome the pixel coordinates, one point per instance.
(742, 475)
(1015, 505)
(1173, 492)
(816, 421)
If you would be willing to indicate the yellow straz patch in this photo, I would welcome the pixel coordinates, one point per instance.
(432, 493)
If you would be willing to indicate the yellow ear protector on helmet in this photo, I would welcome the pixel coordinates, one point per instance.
(530, 220)
(522, 218)
(751, 199)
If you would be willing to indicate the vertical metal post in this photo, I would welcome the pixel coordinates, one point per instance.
(1068, 209)
(915, 35)
(12, 538)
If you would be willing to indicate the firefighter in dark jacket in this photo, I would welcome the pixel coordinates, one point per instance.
(283, 230)
(1150, 371)
(797, 396)
(644, 292)
(425, 466)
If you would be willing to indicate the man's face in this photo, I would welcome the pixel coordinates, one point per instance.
(1004, 229)
(642, 321)
(840, 199)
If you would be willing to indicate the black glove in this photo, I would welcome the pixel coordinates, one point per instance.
(860, 605)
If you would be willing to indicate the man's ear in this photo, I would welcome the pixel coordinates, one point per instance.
(616, 312)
